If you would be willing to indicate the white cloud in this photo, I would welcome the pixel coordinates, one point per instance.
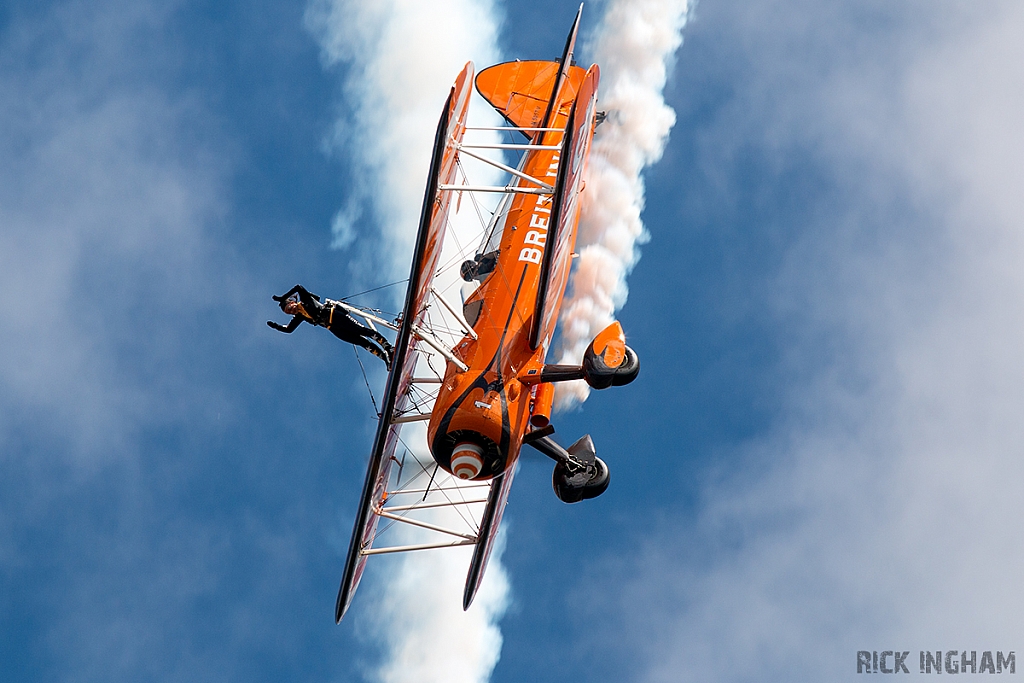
(110, 191)
(103, 219)
(881, 511)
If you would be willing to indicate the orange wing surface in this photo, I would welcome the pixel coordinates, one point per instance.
(488, 535)
(566, 211)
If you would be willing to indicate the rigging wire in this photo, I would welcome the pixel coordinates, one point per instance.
(392, 284)
(366, 381)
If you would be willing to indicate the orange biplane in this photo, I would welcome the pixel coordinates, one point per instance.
(495, 392)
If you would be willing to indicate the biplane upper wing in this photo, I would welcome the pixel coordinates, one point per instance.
(564, 67)
(433, 219)
(561, 237)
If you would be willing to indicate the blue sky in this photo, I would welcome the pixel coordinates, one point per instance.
(821, 454)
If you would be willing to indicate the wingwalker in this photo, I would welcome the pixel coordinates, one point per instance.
(495, 392)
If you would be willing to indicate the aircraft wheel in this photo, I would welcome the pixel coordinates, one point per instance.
(627, 372)
(572, 488)
(600, 376)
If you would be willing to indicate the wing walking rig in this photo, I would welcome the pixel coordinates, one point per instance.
(495, 393)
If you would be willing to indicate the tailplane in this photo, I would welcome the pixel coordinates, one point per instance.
(529, 93)
(521, 91)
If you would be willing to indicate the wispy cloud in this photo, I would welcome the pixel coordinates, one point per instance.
(878, 511)
(399, 58)
(104, 218)
(109, 187)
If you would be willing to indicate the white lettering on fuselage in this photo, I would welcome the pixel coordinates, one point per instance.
(539, 220)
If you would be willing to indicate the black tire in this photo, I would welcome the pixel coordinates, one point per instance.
(628, 371)
(569, 490)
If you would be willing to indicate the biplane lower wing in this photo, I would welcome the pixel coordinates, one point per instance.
(496, 501)
(561, 237)
(433, 219)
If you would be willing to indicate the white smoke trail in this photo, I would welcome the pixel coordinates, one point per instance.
(403, 56)
(634, 46)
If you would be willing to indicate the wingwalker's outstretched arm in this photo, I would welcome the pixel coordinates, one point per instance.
(296, 321)
(310, 303)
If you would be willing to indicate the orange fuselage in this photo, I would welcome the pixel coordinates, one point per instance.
(489, 406)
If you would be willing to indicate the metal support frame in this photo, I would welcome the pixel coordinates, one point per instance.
(364, 314)
(432, 341)
(405, 419)
(427, 506)
(517, 129)
(515, 145)
(424, 525)
(436, 489)
(419, 332)
(508, 189)
(508, 169)
(400, 513)
(418, 546)
(456, 314)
